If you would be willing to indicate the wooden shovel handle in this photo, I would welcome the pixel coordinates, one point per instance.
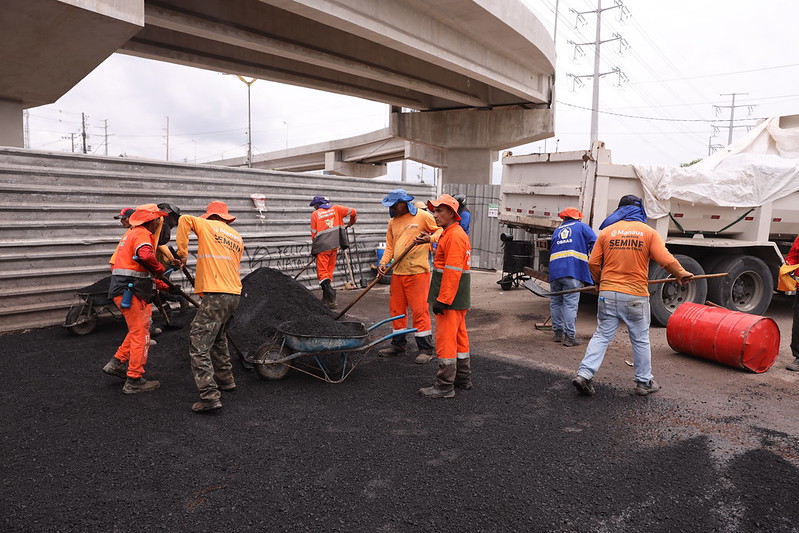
(374, 281)
(692, 278)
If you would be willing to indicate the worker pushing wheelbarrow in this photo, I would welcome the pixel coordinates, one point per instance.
(330, 358)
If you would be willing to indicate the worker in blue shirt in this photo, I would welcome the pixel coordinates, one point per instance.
(572, 242)
(463, 212)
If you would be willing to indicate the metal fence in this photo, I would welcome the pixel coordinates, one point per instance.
(57, 229)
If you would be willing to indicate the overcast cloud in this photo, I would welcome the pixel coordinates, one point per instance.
(682, 56)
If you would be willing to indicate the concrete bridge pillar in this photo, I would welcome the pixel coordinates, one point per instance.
(473, 137)
(11, 133)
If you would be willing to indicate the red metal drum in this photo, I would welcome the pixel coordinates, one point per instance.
(739, 340)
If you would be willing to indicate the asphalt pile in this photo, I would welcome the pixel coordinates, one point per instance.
(98, 287)
(270, 299)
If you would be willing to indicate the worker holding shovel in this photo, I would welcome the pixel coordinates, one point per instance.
(219, 250)
(131, 289)
(620, 263)
(410, 280)
(329, 234)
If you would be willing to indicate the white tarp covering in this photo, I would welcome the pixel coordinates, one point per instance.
(758, 168)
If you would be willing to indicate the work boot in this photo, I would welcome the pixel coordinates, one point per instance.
(572, 341)
(426, 349)
(116, 368)
(435, 392)
(136, 385)
(794, 366)
(584, 386)
(392, 350)
(206, 405)
(227, 387)
(424, 357)
(463, 374)
(328, 294)
(645, 389)
(558, 336)
(443, 386)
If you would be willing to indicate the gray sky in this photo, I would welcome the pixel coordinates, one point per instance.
(682, 56)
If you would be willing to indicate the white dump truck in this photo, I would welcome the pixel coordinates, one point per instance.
(736, 211)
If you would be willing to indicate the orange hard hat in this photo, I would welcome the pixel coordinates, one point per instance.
(571, 212)
(144, 214)
(447, 200)
(219, 209)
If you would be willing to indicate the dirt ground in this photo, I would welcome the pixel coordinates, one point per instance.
(714, 450)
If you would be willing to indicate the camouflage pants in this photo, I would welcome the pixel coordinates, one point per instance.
(210, 360)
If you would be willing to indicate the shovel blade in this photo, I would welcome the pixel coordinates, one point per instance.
(535, 288)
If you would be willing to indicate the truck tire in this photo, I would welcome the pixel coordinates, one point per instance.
(665, 298)
(748, 288)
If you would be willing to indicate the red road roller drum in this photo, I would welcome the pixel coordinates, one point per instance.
(739, 340)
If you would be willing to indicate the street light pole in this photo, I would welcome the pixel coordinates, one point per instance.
(249, 118)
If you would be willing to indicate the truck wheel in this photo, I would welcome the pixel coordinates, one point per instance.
(665, 298)
(747, 289)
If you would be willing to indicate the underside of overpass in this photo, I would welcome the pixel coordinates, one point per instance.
(468, 76)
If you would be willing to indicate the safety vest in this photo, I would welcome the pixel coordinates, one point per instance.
(126, 270)
(451, 278)
(326, 227)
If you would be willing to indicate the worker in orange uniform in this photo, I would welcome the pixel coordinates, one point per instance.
(133, 269)
(410, 279)
(450, 296)
(619, 261)
(219, 250)
(789, 269)
(328, 234)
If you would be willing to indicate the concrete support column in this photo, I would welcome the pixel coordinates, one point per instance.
(468, 165)
(11, 127)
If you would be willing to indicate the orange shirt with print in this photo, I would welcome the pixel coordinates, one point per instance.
(620, 258)
(402, 230)
(219, 250)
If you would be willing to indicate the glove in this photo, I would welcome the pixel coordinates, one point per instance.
(174, 289)
(439, 308)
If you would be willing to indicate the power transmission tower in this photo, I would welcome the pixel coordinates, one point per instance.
(597, 44)
(732, 107)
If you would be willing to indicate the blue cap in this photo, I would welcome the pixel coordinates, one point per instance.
(319, 200)
(399, 195)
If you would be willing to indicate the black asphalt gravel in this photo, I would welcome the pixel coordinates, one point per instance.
(519, 452)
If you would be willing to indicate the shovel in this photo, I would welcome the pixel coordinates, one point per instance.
(538, 290)
(362, 281)
(160, 305)
(374, 281)
(305, 267)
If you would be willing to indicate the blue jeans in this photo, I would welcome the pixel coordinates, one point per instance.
(563, 308)
(614, 308)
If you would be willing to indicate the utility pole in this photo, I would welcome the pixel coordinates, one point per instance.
(26, 140)
(597, 44)
(106, 136)
(249, 118)
(732, 107)
(83, 131)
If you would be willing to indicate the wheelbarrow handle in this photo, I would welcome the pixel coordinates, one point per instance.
(390, 319)
(390, 335)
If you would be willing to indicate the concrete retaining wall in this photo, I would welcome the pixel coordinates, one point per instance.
(57, 229)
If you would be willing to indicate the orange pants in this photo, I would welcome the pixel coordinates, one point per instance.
(411, 291)
(452, 340)
(136, 345)
(326, 264)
